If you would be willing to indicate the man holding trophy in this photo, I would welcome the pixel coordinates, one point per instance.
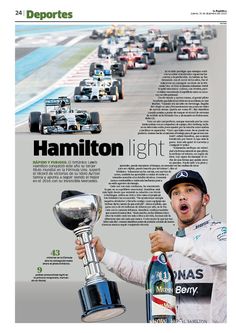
(197, 253)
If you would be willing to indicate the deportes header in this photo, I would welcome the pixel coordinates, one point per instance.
(58, 15)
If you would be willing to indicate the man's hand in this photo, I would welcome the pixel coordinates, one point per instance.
(95, 242)
(161, 241)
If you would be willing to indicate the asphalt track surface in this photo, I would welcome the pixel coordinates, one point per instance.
(139, 88)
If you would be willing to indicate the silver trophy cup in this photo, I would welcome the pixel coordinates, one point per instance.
(99, 297)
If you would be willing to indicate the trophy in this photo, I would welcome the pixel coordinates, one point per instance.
(99, 297)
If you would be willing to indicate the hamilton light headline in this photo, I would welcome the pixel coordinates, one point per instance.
(141, 149)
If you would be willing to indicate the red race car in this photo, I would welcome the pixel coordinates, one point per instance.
(192, 52)
(134, 60)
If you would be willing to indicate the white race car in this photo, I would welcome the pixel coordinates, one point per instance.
(112, 46)
(101, 87)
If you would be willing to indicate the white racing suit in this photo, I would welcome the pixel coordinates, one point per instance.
(199, 265)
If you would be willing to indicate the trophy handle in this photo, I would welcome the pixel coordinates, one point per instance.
(90, 261)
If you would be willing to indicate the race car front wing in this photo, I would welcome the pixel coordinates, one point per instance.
(60, 130)
(85, 98)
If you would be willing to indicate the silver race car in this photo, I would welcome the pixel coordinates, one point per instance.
(100, 87)
(59, 118)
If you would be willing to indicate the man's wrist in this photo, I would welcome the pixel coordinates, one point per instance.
(103, 254)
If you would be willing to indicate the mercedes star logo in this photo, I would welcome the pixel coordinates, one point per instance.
(182, 174)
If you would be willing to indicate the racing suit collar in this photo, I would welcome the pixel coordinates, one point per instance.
(180, 233)
(191, 229)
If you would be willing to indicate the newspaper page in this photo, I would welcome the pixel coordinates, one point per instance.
(109, 110)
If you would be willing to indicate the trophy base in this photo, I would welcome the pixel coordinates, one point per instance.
(100, 301)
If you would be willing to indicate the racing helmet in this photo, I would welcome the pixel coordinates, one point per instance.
(107, 72)
(98, 73)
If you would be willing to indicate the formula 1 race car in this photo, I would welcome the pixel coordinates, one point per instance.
(194, 39)
(112, 51)
(138, 50)
(150, 57)
(115, 67)
(134, 60)
(59, 118)
(209, 33)
(161, 44)
(97, 35)
(178, 40)
(192, 52)
(112, 47)
(101, 87)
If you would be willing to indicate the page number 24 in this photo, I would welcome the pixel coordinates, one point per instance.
(19, 12)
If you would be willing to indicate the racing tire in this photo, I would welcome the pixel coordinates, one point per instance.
(124, 63)
(145, 61)
(77, 91)
(170, 48)
(100, 51)
(145, 45)
(121, 73)
(120, 88)
(34, 118)
(95, 119)
(122, 70)
(119, 51)
(114, 91)
(92, 68)
(45, 120)
(152, 58)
